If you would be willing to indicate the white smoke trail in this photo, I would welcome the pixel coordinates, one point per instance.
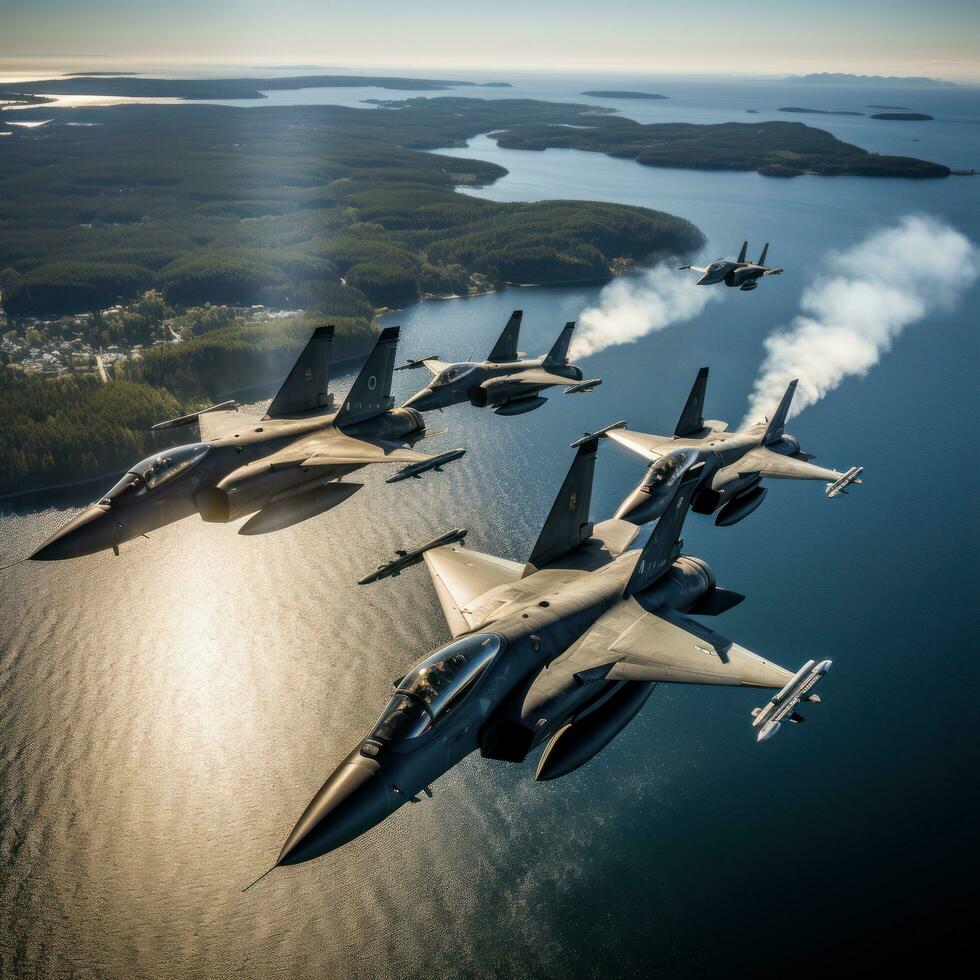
(855, 310)
(632, 307)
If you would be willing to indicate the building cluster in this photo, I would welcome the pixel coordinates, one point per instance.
(55, 345)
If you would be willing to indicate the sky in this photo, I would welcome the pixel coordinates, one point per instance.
(939, 38)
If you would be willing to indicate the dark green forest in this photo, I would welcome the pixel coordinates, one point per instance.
(213, 204)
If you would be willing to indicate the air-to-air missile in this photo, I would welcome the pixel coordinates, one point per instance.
(561, 651)
(841, 485)
(280, 467)
(181, 420)
(406, 559)
(735, 462)
(415, 470)
(783, 706)
(583, 387)
(416, 362)
(508, 381)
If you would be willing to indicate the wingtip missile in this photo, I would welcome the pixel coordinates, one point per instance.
(415, 470)
(406, 559)
(841, 485)
(621, 424)
(416, 362)
(782, 707)
(188, 419)
(583, 386)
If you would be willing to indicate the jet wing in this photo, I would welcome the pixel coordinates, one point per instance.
(336, 449)
(214, 425)
(648, 446)
(462, 576)
(767, 463)
(434, 366)
(666, 647)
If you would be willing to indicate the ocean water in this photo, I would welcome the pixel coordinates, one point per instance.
(166, 715)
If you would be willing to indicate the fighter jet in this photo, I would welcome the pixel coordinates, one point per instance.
(745, 275)
(735, 463)
(561, 650)
(508, 381)
(283, 467)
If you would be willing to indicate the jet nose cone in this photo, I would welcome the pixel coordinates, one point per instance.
(78, 537)
(423, 401)
(350, 802)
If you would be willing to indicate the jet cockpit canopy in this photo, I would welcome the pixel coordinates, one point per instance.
(156, 470)
(450, 374)
(435, 686)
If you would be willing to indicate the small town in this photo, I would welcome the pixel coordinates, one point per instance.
(95, 342)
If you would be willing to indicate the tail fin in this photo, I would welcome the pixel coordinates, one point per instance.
(305, 387)
(664, 545)
(559, 352)
(741, 255)
(568, 523)
(505, 349)
(762, 258)
(370, 394)
(778, 422)
(691, 421)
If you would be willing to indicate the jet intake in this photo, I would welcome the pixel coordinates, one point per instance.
(586, 735)
(738, 509)
(496, 391)
(508, 741)
(687, 581)
(785, 446)
(395, 425)
(251, 487)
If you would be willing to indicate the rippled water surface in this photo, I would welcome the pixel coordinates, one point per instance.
(166, 715)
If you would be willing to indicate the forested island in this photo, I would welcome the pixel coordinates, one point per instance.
(308, 209)
(616, 94)
(819, 112)
(903, 116)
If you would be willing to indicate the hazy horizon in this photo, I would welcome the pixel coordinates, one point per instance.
(874, 37)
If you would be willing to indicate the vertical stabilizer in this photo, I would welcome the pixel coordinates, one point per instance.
(691, 421)
(370, 394)
(762, 258)
(505, 349)
(568, 523)
(664, 544)
(778, 422)
(559, 352)
(741, 255)
(305, 387)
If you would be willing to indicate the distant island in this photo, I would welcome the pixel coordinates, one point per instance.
(906, 116)
(905, 108)
(832, 78)
(820, 112)
(615, 94)
(225, 88)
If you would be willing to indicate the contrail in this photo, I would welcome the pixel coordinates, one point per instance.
(632, 307)
(854, 311)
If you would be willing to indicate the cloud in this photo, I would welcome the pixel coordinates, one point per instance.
(859, 305)
(632, 307)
